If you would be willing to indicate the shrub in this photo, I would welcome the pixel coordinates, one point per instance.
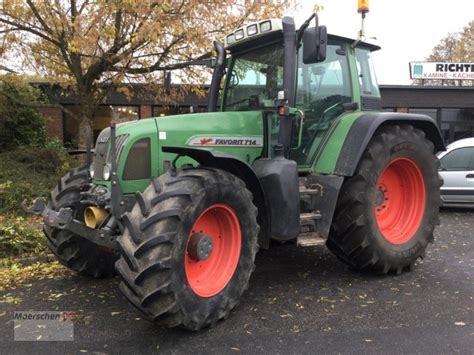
(29, 172)
(50, 159)
(20, 122)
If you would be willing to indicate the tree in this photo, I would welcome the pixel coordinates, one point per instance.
(98, 45)
(455, 47)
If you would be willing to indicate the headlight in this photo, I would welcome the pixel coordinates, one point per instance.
(106, 172)
(91, 171)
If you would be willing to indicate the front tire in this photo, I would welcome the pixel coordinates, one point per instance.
(189, 247)
(72, 250)
(387, 211)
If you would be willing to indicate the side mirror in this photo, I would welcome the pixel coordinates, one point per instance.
(315, 41)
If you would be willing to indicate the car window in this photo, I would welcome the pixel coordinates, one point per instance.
(459, 159)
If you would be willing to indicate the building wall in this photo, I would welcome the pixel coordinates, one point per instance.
(145, 111)
(427, 97)
(54, 121)
(451, 107)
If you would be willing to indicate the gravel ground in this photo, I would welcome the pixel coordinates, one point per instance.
(300, 300)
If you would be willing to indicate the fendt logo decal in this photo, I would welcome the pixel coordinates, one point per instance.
(206, 141)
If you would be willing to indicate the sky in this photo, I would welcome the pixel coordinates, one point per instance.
(407, 30)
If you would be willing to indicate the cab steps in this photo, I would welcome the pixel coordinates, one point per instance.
(308, 236)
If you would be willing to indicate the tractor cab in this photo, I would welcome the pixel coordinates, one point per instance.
(322, 88)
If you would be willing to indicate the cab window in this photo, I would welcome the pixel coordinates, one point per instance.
(255, 79)
(366, 71)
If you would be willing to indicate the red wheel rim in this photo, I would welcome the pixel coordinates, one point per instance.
(209, 277)
(400, 200)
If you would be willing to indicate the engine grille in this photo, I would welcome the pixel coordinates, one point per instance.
(102, 151)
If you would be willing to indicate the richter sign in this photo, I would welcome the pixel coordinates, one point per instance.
(436, 70)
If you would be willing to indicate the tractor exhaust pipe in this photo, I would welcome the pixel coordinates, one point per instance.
(289, 76)
(216, 76)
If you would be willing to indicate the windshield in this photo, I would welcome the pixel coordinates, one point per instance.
(255, 79)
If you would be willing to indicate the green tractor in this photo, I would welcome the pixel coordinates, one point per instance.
(298, 151)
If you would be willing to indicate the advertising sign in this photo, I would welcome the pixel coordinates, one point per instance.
(438, 70)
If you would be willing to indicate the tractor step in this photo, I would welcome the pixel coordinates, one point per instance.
(310, 216)
(308, 236)
(309, 240)
(309, 222)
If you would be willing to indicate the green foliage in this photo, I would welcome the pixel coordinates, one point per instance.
(20, 122)
(19, 236)
(29, 172)
(30, 166)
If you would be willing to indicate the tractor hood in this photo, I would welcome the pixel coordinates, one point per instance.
(236, 133)
(223, 130)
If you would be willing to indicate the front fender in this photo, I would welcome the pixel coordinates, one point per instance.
(239, 168)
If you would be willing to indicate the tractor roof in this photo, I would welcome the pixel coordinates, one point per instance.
(270, 30)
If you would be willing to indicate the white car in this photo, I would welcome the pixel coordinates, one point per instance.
(457, 170)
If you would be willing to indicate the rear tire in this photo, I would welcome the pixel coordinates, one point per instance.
(73, 251)
(161, 275)
(387, 211)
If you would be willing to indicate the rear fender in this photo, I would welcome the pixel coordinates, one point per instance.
(363, 129)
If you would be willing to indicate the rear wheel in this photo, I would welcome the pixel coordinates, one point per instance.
(387, 211)
(72, 250)
(189, 247)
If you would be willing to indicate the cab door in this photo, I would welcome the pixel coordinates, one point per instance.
(322, 89)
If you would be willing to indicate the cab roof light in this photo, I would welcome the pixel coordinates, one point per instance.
(239, 34)
(252, 30)
(265, 26)
(230, 39)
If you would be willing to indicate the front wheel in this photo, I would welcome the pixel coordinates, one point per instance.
(387, 211)
(189, 247)
(72, 250)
